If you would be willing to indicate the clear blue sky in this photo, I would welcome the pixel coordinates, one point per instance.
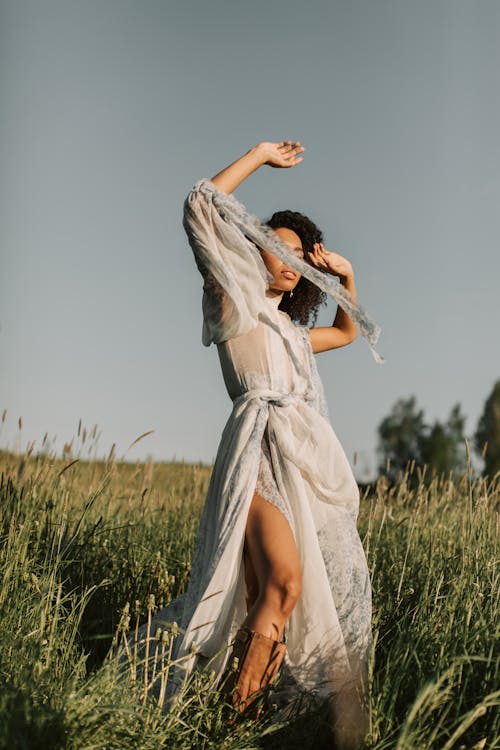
(110, 111)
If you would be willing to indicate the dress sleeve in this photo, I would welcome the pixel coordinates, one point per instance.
(234, 274)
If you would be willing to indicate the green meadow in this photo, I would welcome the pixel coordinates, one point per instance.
(89, 549)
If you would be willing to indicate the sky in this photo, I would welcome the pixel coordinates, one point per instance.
(111, 111)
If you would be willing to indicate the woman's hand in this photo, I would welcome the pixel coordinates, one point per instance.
(331, 262)
(282, 154)
(343, 330)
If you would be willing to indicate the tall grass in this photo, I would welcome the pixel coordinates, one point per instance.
(89, 549)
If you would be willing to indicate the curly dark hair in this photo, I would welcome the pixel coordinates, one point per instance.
(307, 297)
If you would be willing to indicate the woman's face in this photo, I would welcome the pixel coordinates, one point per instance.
(285, 278)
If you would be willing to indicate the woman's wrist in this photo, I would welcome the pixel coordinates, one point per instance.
(347, 281)
(251, 160)
(256, 155)
(346, 278)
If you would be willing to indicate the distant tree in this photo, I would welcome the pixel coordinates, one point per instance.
(443, 445)
(487, 436)
(400, 436)
(404, 436)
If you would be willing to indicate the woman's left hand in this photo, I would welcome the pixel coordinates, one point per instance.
(330, 262)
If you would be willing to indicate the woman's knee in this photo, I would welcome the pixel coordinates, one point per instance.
(272, 547)
(284, 588)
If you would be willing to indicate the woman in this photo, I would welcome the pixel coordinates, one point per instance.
(278, 570)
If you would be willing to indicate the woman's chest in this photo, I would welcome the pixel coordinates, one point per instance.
(267, 356)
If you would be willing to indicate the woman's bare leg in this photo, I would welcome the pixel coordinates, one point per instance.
(252, 584)
(273, 575)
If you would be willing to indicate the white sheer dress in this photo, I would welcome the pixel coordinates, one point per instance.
(278, 439)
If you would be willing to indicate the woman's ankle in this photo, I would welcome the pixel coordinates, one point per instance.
(265, 622)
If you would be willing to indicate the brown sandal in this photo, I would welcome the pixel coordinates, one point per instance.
(260, 651)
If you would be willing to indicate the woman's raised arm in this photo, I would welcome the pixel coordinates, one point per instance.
(282, 154)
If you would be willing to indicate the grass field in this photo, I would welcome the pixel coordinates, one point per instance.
(82, 540)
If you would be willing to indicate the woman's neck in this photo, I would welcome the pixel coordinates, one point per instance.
(274, 297)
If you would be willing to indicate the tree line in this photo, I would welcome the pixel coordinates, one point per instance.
(404, 437)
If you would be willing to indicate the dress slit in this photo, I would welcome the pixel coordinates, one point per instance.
(266, 485)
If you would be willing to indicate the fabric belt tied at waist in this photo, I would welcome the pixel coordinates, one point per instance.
(268, 394)
(304, 437)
